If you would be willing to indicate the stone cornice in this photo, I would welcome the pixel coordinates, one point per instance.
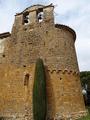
(4, 35)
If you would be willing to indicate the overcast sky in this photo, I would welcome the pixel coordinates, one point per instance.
(74, 13)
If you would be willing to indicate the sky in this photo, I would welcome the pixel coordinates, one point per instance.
(73, 13)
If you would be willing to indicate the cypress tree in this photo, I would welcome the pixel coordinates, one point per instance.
(39, 92)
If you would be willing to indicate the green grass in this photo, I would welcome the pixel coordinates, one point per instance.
(85, 118)
(88, 116)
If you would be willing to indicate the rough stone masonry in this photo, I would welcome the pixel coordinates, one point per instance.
(35, 35)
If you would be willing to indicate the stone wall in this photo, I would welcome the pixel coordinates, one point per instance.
(4, 38)
(63, 93)
(15, 95)
(55, 45)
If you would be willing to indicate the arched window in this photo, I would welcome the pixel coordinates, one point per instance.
(26, 80)
(40, 14)
(26, 18)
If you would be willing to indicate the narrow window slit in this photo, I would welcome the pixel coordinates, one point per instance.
(26, 80)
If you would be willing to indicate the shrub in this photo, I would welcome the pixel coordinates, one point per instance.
(39, 92)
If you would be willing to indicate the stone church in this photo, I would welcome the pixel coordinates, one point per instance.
(35, 35)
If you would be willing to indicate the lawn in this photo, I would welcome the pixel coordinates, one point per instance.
(87, 117)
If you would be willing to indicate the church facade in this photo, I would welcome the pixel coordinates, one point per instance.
(35, 35)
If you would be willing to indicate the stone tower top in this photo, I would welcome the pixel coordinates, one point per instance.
(35, 8)
(35, 14)
(34, 35)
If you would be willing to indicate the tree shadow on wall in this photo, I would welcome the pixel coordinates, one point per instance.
(50, 95)
(2, 118)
